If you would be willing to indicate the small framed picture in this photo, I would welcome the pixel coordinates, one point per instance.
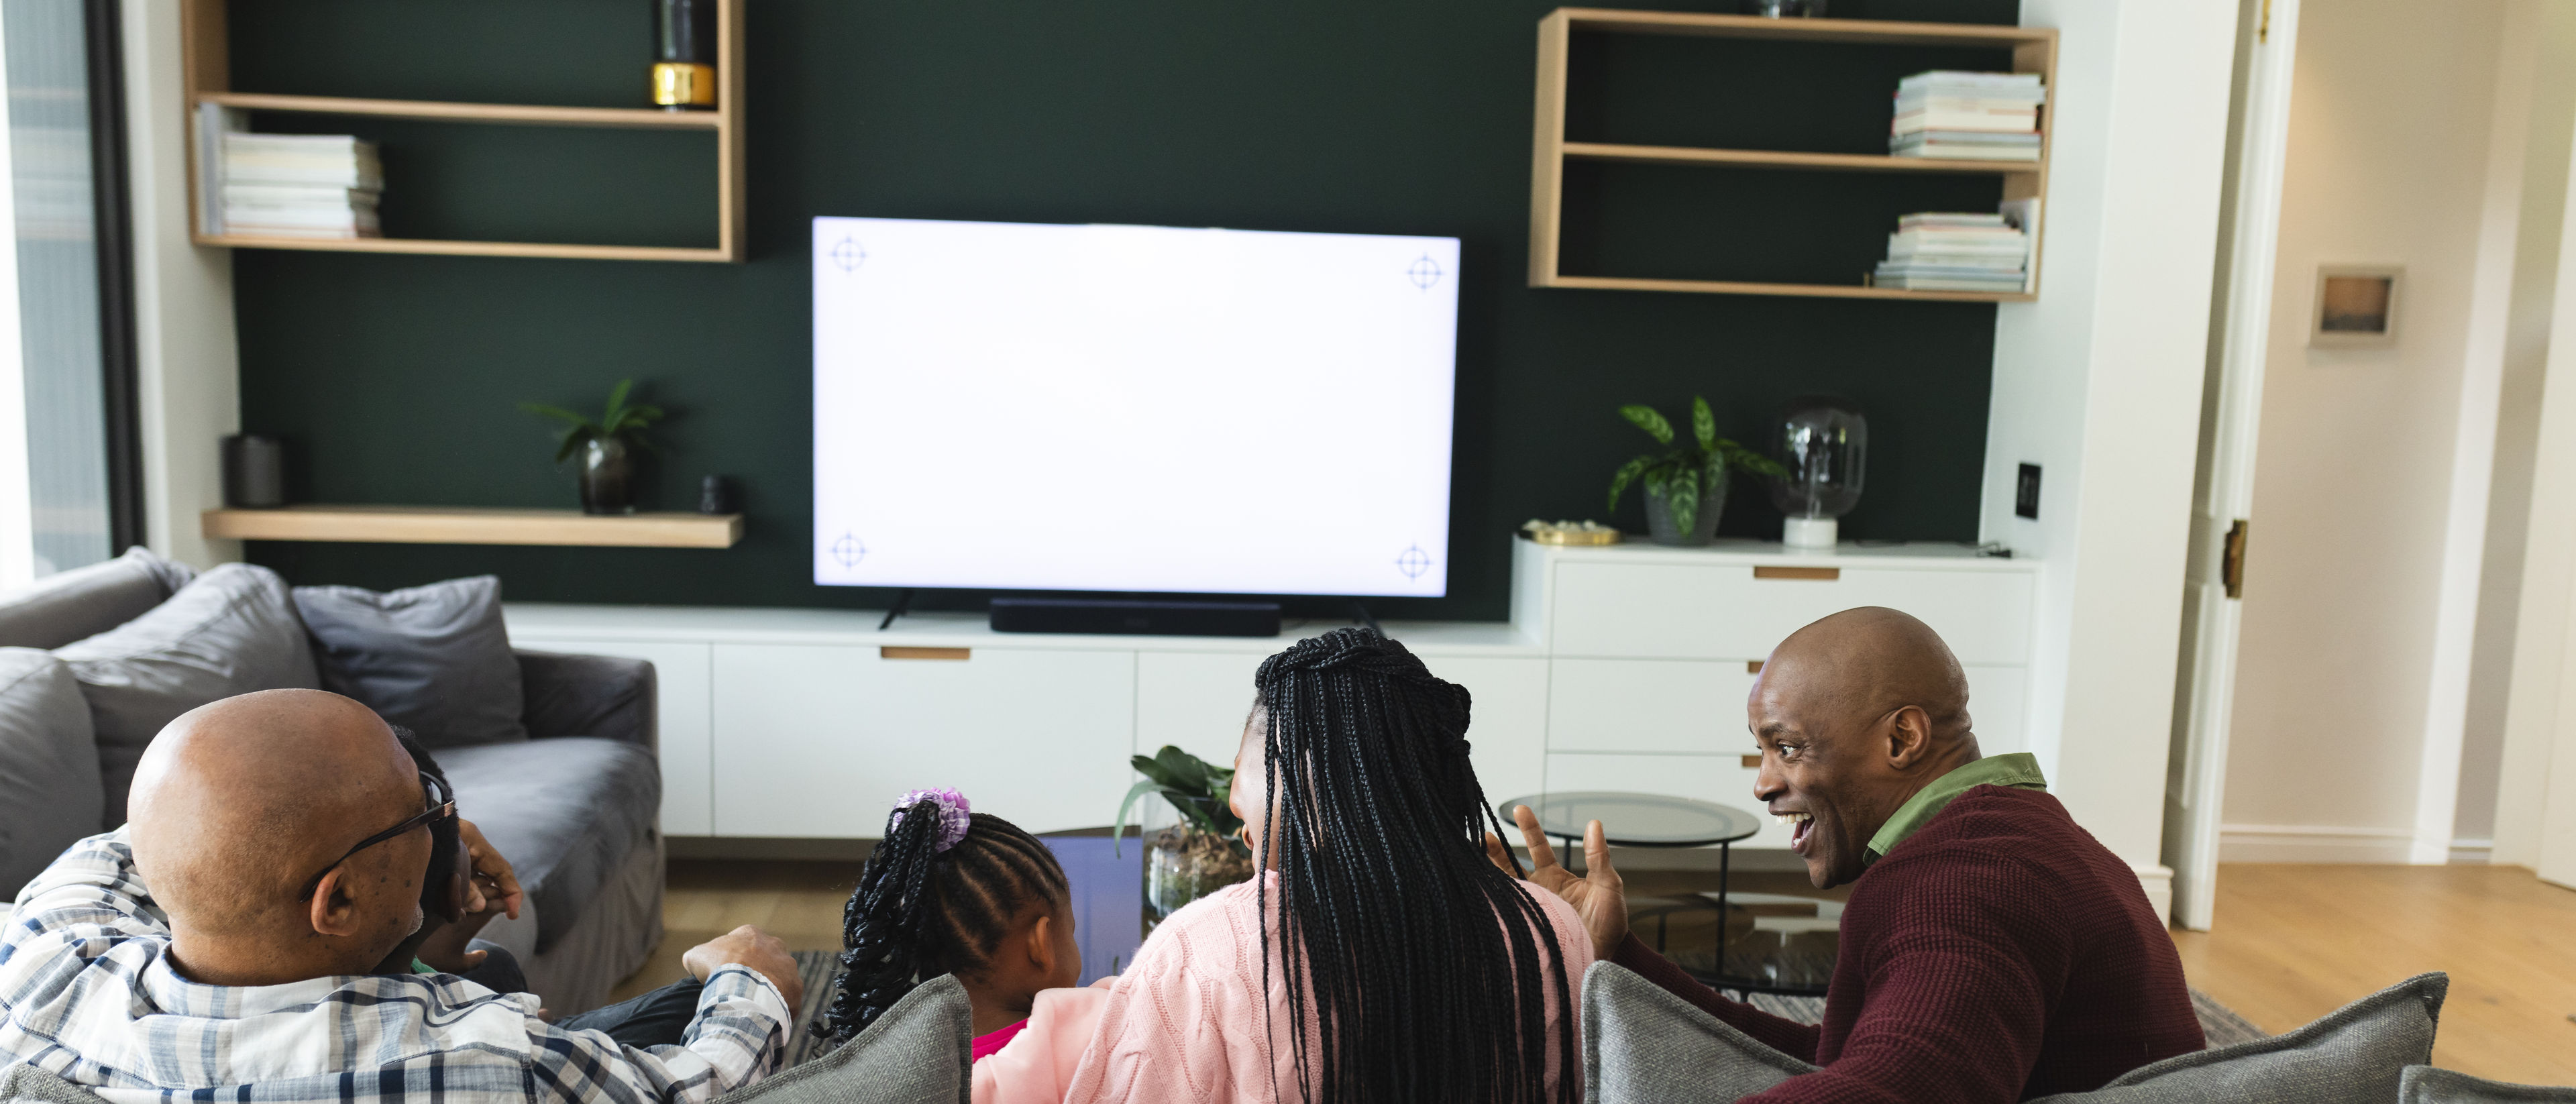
(2356, 307)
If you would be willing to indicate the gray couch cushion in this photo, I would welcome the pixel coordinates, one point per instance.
(49, 791)
(2428, 1085)
(232, 631)
(919, 1052)
(24, 1084)
(434, 659)
(1642, 1044)
(564, 811)
(2355, 1052)
(86, 601)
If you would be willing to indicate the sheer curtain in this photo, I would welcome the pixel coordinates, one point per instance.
(57, 487)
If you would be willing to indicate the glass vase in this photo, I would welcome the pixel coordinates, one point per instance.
(607, 477)
(1184, 863)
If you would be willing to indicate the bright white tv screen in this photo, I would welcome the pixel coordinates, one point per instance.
(1018, 406)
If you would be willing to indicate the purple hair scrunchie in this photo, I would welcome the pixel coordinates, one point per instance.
(955, 815)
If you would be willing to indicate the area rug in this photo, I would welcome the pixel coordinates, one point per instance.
(819, 969)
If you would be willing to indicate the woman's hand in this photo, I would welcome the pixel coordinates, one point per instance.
(493, 877)
(1599, 897)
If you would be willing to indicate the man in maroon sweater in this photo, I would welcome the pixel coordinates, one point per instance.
(1991, 949)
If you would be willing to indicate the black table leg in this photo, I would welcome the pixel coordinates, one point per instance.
(1725, 871)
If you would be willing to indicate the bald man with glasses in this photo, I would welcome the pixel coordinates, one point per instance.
(249, 934)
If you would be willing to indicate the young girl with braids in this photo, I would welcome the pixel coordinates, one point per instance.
(954, 891)
(1381, 956)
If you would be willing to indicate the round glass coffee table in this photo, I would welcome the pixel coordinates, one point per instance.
(1642, 820)
(1662, 820)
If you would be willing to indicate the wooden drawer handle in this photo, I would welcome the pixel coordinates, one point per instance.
(925, 653)
(1753, 762)
(1826, 573)
(1752, 666)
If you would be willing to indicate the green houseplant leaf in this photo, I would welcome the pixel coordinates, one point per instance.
(1645, 418)
(1197, 789)
(1681, 498)
(1626, 474)
(1703, 424)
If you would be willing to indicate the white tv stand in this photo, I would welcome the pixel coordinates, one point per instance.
(1623, 667)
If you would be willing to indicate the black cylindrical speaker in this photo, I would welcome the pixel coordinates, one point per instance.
(254, 471)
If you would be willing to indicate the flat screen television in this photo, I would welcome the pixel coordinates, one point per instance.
(1133, 409)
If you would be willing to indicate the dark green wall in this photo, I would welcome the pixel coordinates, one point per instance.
(394, 378)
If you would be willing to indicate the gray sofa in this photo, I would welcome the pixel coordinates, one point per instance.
(573, 807)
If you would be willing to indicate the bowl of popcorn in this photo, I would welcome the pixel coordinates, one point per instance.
(1569, 532)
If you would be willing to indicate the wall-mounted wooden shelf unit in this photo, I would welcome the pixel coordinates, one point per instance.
(208, 77)
(466, 525)
(2034, 50)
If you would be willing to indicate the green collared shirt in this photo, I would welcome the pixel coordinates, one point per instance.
(2019, 771)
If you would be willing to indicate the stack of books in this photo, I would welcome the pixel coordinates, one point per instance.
(1942, 251)
(299, 186)
(1967, 116)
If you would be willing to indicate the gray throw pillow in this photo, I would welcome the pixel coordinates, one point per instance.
(2355, 1052)
(232, 631)
(86, 601)
(434, 659)
(49, 791)
(1643, 1044)
(919, 1052)
(2428, 1085)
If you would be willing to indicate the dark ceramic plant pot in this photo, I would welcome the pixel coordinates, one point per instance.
(607, 477)
(1659, 518)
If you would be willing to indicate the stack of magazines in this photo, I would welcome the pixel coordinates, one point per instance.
(298, 186)
(1972, 116)
(1946, 251)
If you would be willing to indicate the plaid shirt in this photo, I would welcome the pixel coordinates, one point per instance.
(87, 992)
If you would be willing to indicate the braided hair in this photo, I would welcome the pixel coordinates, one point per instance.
(921, 911)
(1387, 900)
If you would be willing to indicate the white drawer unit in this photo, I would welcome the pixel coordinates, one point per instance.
(1198, 701)
(1623, 668)
(819, 741)
(1631, 602)
(1676, 706)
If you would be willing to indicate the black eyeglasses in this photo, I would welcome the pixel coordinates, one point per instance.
(442, 806)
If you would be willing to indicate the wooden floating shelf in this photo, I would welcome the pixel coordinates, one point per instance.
(1742, 287)
(1777, 159)
(2033, 50)
(448, 248)
(517, 114)
(471, 525)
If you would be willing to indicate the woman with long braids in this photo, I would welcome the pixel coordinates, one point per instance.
(1381, 956)
(953, 891)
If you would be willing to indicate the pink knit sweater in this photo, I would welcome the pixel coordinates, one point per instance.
(1185, 1023)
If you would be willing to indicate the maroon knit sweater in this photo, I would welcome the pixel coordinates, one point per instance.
(1999, 953)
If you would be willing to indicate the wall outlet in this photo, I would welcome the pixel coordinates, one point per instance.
(2026, 492)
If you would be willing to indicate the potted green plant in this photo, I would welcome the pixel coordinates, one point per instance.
(607, 448)
(1193, 840)
(1685, 484)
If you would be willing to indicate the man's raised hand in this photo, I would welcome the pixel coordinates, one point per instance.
(1598, 896)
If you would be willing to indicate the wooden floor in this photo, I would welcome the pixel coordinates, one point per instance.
(2292, 943)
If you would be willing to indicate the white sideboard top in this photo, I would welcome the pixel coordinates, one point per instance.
(858, 628)
(1925, 555)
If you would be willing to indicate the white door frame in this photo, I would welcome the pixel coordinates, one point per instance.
(2196, 782)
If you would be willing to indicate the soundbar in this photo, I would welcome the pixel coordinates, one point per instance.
(1090, 615)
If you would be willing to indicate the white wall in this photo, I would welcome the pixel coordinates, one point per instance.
(2407, 136)
(189, 393)
(2099, 383)
(2539, 736)
(2549, 121)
